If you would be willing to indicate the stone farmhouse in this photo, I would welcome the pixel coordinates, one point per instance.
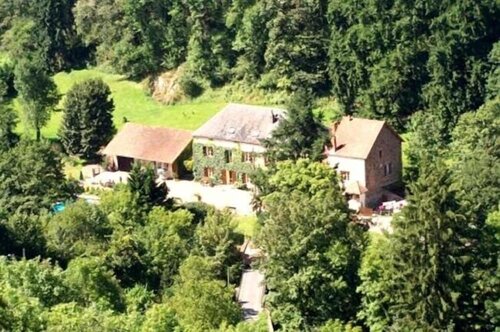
(367, 155)
(164, 148)
(228, 147)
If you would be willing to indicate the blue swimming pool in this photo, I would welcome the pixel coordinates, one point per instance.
(58, 207)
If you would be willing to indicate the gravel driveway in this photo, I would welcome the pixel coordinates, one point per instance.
(219, 196)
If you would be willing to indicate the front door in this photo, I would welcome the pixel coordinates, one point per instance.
(232, 177)
(223, 176)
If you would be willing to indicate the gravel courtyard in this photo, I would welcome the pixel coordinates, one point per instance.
(219, 196)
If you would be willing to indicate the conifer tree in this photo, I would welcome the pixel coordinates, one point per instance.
(142, 182)
(88, 120)
(300, 134)
(427, 251)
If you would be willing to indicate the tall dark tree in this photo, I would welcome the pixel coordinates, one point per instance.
(249, 20)
(88, 119)
(8, 121)
(474, 157)
(427, 250)
(209, 50)
(426, 143)
(38, 94)
(493, 85)
(296, 54)
(46, 33)
(300, 134)
(143, 183)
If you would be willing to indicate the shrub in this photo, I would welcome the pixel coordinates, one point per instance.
(191, 87)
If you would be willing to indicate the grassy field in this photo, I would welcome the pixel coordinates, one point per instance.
(135, 105)
(132, 103)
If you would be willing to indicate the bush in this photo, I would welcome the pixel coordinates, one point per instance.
(191, 87)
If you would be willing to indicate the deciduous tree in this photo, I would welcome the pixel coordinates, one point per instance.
(32, 179)
(38, 94)
(312, 248)
(200, 301)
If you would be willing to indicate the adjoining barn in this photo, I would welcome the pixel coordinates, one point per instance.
(164, 148)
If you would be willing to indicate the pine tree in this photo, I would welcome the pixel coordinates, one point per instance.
(300, 134)
(88, 120)
(427, 250)
(296, 54)
(8, 121)
(142, 182)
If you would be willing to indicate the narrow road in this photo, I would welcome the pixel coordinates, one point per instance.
(252, 287)
(251, 293)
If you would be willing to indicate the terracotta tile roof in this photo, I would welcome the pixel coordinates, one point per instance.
(241, 123)
(148, 143)
(355, 137)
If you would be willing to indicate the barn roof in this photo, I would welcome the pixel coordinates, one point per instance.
(355, 137)
(241, 123)
(149, 143)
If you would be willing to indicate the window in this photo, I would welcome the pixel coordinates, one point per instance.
(208, 151)
(380, 154)
(247, 157)
(387, 169)
(208, 172)
(266, 159)
(228, 154)
(244, 178)
(344, 175)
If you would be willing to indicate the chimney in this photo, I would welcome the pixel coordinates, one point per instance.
(334, 135)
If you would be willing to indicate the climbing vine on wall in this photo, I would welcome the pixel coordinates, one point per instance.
(218, 162)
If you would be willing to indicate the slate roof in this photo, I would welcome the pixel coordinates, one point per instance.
(355, 137)
(148, 143)
(241, 123)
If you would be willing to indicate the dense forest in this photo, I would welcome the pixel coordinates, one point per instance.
(140, 262)
(383, 59)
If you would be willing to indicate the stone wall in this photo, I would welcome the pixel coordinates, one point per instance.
(386, 150)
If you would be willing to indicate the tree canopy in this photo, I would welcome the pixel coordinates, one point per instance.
(88, 120)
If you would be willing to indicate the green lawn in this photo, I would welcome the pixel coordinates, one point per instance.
(247, 225)
(133, 103)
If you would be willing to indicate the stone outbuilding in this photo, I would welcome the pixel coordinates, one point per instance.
(367, 155)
